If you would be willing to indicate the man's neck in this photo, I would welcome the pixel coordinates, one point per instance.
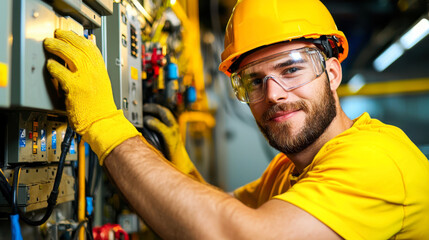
(338, 125)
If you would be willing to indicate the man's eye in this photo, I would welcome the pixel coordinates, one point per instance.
(256, 81)
(290, 70)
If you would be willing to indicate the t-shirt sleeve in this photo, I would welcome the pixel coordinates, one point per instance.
(248, 193)
(252, 194)
(356, 190)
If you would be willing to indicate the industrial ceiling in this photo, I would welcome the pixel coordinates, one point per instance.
(371, 26)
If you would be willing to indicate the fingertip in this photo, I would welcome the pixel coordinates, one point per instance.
(67, 35)
(50, 62)
(56, 69)
(58, 32)
(47, 42)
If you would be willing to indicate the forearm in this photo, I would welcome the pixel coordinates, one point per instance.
(173, 204)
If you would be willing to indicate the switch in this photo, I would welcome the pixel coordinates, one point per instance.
(125, 104)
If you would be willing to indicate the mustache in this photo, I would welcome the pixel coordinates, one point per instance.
(284, 107)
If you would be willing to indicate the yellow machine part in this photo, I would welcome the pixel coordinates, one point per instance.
(387, 88)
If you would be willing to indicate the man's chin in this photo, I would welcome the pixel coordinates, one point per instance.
(285, 138)
(283, 129)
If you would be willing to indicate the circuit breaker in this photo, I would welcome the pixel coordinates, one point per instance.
(33, 142)
(124, 60)
(36, 137)
(5, 47)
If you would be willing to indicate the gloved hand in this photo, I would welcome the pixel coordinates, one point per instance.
(167, 126)
(89, 100)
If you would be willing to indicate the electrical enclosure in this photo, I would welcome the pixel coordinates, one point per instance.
(5, 48)
(124, 61)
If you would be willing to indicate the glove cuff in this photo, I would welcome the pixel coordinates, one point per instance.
(104, 135)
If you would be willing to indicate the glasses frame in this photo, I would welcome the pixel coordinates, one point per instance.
(240, 91)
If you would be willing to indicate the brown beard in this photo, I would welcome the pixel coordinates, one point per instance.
(319, 117)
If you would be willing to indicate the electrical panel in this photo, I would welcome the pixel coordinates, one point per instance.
(5, 47)
(148, 60)
(33, 123)
(33, 143)
(33, 21)
(35, 185)
(124, 60)
(37, 137)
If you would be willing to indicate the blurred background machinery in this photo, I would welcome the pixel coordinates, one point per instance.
(49, 178)
(168, 52)
(39, 153)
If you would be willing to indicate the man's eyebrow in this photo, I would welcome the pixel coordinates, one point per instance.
(277, 66)
(288, 63)
(253, 74)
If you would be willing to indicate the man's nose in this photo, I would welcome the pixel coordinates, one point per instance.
(274, 92)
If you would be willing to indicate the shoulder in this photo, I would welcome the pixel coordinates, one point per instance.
(365, 155)
(369, 139)
(373, 156)
(362, 176)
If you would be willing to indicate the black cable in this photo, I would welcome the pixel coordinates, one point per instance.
(89, 226)
(76, 231)
(74, 171)
(93, 173)
(91, 186)
(52, 200)
(15, 187)
(5, 188)
(91, 168)
(97, 175)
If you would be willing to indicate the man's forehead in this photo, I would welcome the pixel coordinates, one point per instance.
(273, 49)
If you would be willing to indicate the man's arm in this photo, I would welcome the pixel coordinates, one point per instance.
(176, 206)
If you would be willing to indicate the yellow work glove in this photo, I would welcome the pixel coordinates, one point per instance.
(162, 121)
(89, 100)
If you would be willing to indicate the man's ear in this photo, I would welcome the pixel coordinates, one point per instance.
(333, 68)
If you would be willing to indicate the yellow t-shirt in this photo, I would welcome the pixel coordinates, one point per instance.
(369, 182)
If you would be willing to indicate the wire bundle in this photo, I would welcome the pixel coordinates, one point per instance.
(11, 193)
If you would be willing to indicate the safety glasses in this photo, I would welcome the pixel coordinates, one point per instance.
(290, 69)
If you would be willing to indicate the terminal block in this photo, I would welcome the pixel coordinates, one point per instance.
(36, 137)
(35, 185)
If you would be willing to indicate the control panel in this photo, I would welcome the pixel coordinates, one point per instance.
(124, 60)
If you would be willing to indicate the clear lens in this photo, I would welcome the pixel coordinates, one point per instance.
(290, 70)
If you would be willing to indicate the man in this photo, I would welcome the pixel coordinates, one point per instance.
(335, 178)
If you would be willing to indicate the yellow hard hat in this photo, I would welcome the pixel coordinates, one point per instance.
(257, 23)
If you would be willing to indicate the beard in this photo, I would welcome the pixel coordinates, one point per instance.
(319, 117)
